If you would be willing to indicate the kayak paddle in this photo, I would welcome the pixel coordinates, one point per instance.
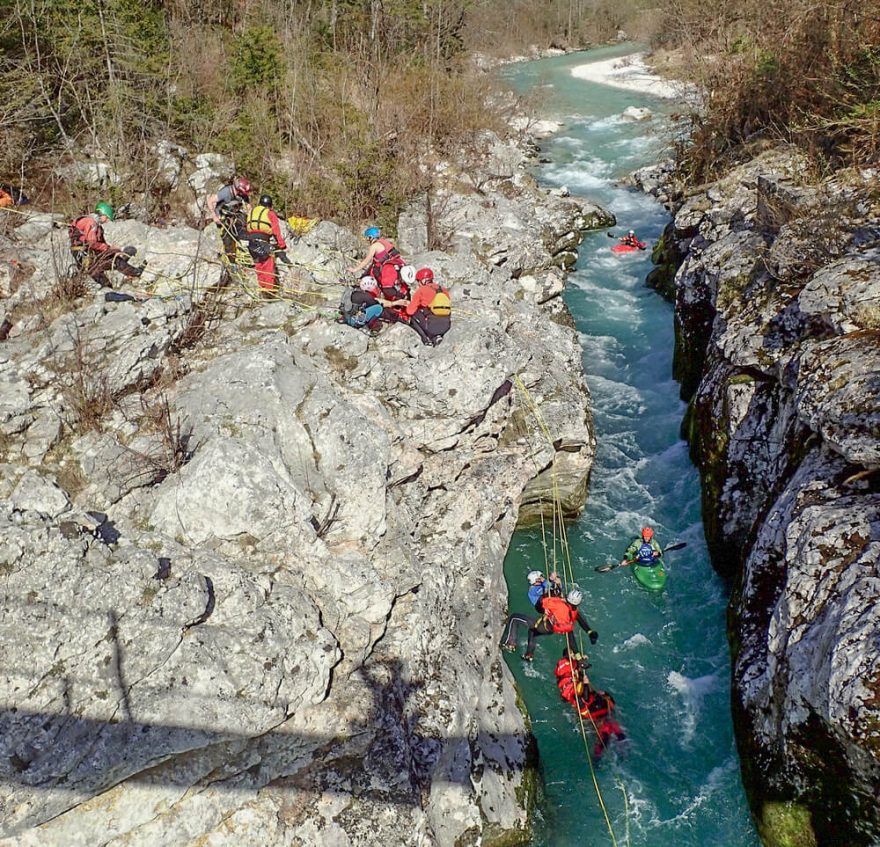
(675, 545)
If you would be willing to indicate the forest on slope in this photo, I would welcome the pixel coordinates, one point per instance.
(337, 106)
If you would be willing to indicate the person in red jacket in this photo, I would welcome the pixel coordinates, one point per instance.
(92, 253)
(630, 240)
(559, 616)
(265, 241)
(594, 706)
(430, 309)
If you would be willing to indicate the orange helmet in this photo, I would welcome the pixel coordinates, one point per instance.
(647, 533)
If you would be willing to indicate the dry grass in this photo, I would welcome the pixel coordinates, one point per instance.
(797, 71)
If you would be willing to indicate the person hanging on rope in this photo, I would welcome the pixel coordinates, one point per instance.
(558, 617)
(538, 587)
(645, 550)
(594, 706)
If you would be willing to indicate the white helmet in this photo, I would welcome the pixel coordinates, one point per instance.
(408, 274)
(575, 596)
(631, 232)
(534, 577)
(368, 283)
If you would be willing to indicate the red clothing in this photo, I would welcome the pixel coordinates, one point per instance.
(560, 614)
(267, 278)
(423, 297)
(91, 234)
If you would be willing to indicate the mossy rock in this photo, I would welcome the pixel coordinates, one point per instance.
(786, 825)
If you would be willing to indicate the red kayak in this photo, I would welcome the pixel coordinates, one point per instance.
(628, 248)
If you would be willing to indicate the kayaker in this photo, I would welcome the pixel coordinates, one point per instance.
(538, 587)
(630, 240)
(645, 550)
(558, 617)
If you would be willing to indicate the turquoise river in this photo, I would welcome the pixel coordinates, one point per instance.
(675, 781)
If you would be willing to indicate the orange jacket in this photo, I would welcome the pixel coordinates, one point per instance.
(90, 234)
(423, 297)
(560, 614)
(5, 200)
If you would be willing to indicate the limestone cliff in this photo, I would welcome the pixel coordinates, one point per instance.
(777, 295)
(251, 558)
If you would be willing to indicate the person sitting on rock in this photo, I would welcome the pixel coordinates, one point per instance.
(630, 240)
(228, 209)
(383, 260)
(645, 550)
(538, 587)
(558, 617)
(361, 305)
(430, 309)
(92, 253)
(265, 241)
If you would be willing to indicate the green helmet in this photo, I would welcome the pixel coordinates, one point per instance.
(105, 209)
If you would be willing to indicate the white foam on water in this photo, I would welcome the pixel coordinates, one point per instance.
(601, 124)
(692, 692)
(632, 642)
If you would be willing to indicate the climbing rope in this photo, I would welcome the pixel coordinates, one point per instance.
(558, 523)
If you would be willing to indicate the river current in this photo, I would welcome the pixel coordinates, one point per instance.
(675, 781)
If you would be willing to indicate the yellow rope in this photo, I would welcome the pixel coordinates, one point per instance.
(568, 579)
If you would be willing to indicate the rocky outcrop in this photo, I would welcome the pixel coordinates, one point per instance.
(779, 354)
(251, 558)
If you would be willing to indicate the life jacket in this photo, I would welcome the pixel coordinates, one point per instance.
(441, 305)
(597, 705)
(559, 614)
(259, 220)
(78, 230)
(645, 555)
(390, 255)
(567, 689)
(564, 669)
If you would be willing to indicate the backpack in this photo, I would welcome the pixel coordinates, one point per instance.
(346, 306)
(441, 305)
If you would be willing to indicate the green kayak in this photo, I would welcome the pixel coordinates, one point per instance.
(652, 577)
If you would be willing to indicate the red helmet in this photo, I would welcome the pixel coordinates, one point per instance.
(647, 533)
(241, 186)
(424, 275)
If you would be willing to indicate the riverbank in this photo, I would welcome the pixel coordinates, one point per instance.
(241, 543)
(631, 73)
(776, 284)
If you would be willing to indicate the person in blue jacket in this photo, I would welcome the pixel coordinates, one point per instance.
(539, 586)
